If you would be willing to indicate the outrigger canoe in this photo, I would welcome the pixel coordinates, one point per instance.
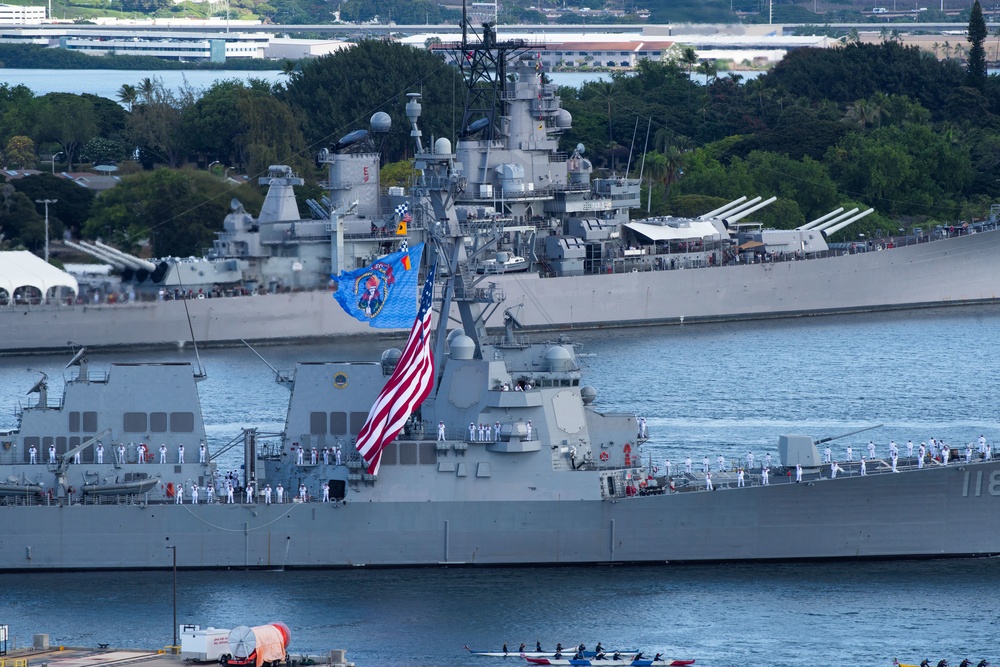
(545, 654)
(626, 662)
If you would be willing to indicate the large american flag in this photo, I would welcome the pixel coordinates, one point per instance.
(407, 387)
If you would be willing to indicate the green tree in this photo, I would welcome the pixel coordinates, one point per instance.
(66, 119)
(155, 124)
(336, 94)
(72, 205)
(20, 223)
(179, 210)
(19, 151)
(127, 95)
(976, 66)
(269, 134)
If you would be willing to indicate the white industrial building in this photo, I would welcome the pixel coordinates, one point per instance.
(21, 15)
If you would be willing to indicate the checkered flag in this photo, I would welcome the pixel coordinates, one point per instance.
(402, 209)
(404, 247)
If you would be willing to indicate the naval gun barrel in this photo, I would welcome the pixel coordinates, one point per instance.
(742, 214)
(96, 253)
(840, 225)
(844, 435)
(745, 205)
(722, 209)
(817, 221)
(833, 221)
(130, 260)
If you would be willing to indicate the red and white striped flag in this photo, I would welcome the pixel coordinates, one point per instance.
(407, 387)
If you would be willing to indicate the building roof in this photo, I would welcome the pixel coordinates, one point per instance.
(20, 268)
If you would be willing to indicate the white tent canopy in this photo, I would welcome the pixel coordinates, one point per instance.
(20, 269)
(694, 229)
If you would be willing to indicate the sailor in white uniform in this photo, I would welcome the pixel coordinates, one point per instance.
(194, 494)
(920, 457)
(249, 493)
(180, 453)
(739, 478)
(829, 454)
(529, 429)
(496, 431)
(326, 456)
(472, 432)
(314, 456)
(894, 458)
(722, 463)
(893, 449)
(864, 468)
(767, 460)
(982, 444)
(100, 453)
(142, 453)
(302, 492)
(52, 453)
(749, 460)
(78, 457)
(201, 453)
(909, 448)
(267, 494)
(871, 449)
(32, 455)
(488, 431)
(337, 454)
(300, 456)
(687, 465)
(850, 453)
(704, 464)
(708, 481)
(326, 493)
(834, 469)
(229, 492)
(968, 453)
(798, 472)
(163, 453)
(121, 453)
(643, 433)
(765, 478)
(280, 492)
(441, 431)
(179, 494)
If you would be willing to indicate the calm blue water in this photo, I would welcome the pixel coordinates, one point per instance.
(704, 389)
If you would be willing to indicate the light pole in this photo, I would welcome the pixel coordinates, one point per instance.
(53, 161)
(174, 549)
(212, 165)
(46, 202)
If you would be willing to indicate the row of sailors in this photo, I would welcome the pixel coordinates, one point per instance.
(228, 493)
(120, 452)
(327, 453)
(937, 450)
(482, 432)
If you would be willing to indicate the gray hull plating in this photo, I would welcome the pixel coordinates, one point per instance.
(948, 511)
(953, 271)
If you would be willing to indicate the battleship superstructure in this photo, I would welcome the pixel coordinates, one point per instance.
(508, 461)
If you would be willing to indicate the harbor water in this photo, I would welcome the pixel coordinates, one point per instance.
(704, 390)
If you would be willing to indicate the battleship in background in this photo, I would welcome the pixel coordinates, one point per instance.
(557, 243)
(508, 461)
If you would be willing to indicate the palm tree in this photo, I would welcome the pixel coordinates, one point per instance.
(935, 46)
(128, 95)
(147, 88)
(861, 113)
(689, 58)
(710, 70)
(947, 50)
(656, 168)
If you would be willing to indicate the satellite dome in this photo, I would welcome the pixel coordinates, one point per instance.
(558, 358)
(588, 394)
(380, 122)
(462, 347)
(453, 334)
(442, 146)
(564, 119)
(389, 360)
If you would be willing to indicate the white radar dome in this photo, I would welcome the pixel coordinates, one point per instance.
(442, 146)
(380, 122)
(558, 358)
(462, 347)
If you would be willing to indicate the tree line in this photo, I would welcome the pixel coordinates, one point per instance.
(878, 125)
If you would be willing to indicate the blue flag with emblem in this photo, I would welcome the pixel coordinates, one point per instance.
(385, 293)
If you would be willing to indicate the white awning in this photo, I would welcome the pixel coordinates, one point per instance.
(694, 229)
(21, 268)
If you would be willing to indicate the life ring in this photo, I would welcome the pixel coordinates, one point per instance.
(170, 489)
(604, 456)
(642, 484)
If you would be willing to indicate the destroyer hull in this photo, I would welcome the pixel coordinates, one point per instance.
(955, 271)
(942, 512)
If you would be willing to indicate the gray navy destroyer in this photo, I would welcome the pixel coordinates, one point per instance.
(509, 461)
(555, 239)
